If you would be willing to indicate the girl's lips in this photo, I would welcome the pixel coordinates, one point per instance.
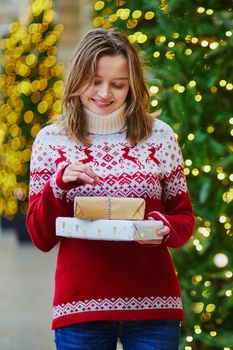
(102, 104)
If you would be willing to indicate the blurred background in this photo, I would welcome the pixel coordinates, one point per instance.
(187, 51)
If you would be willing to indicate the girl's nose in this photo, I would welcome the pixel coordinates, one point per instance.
(104, 91)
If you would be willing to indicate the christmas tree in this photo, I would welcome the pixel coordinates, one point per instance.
(31, 86)
(187, 49)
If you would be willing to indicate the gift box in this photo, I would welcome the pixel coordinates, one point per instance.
(114, 230)
(93, 208)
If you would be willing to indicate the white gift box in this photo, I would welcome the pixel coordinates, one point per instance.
(114, 230)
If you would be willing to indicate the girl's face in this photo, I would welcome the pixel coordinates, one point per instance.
(110, 87)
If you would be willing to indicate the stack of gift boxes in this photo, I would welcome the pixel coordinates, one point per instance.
(108, 218)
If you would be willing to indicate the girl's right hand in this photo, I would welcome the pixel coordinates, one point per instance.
(79, 172)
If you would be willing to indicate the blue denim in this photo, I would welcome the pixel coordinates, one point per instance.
(134, 335)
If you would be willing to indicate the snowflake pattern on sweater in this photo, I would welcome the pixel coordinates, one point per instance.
(111, 280)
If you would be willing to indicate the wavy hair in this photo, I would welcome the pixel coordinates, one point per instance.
(97, 43)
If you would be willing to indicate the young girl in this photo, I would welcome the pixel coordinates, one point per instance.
(106, 142)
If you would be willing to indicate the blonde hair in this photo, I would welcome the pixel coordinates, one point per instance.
(97, 43)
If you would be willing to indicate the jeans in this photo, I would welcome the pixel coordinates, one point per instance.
(134, 335)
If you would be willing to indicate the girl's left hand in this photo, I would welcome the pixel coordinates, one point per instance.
(162, 232)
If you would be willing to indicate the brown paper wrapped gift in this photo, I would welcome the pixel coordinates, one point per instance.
(92, 208)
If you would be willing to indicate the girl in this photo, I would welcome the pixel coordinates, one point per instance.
(106, 142)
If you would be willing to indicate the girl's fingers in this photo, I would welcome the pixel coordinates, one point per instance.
(79, 172)
(85, 177)
(164, 231)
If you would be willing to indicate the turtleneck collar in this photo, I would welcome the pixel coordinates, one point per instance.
(108, 124)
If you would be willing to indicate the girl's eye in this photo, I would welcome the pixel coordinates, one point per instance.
(114, 85)
(117, 86)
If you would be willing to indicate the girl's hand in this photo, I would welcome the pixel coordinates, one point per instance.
(78, 172)
(162, 232)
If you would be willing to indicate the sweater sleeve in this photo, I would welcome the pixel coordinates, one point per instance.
(177, 211)
(47, 196)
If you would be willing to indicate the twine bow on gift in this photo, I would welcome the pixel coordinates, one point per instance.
(109, 210)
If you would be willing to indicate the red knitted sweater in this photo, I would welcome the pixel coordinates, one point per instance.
(109, 280)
